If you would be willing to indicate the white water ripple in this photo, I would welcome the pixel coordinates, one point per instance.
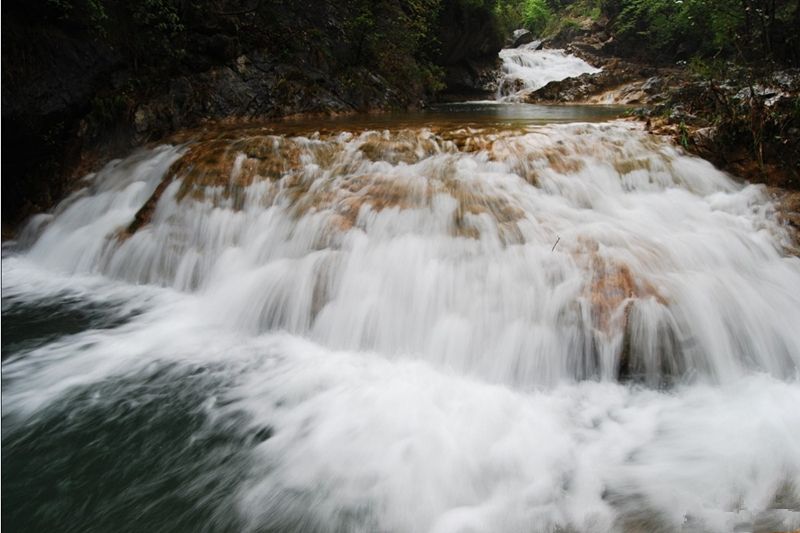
(564, 328)
(526, 69)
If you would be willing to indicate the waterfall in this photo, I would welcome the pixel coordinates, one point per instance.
(526, 69)
(428, 329)
(561, 253)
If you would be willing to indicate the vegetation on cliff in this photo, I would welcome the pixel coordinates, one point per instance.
(113, 73)
(670, 30)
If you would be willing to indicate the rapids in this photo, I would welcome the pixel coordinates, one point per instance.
(564, 327)
(526, 69)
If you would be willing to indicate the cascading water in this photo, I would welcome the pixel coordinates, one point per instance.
(526, 69)
(553, 328)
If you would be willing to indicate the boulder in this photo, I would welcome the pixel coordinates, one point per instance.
(520, 37)
(705, 142)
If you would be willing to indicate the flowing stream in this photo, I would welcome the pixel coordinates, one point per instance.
(526, 69)
(488, 322)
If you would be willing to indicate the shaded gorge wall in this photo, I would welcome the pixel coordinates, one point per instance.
(84, 81)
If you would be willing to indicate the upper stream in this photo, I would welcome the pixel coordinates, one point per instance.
(481, 318)
(526, 69)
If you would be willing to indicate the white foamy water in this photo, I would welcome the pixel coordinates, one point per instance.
(563, 328)
(526, 69)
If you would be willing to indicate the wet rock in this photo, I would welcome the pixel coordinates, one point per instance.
(520, 37)
(469, 44)
(679, 114)
(468, 33)
(769, 95)
(652, 84)
(787, 80)
(470, 80)
(787, 206)
(591, 36)
(143, 119)
(705, 140)
(583, 87)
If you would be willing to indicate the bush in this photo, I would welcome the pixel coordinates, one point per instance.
(749, 29)
(536, 16)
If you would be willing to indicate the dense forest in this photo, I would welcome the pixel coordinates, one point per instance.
(671, 30)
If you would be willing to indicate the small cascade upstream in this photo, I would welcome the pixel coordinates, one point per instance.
(562, 327)
(526, 69)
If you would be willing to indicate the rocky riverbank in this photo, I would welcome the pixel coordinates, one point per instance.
(745, 120)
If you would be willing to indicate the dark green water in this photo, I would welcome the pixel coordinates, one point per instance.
(129, 453)
(27, 326)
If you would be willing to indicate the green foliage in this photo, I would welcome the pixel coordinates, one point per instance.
(546, 17)
(708, 68)
(683, 135)
(63, 8)
(487, 5)
(148, 32)
(157, 30)
(536, 15)
(752, 30)
(749, 29)
(394, 37)
(109, 109)
(509, 14)
(89, 12)
(159, 15)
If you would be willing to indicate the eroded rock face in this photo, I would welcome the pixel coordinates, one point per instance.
(257, 86)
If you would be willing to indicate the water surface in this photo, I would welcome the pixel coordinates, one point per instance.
(482, 317)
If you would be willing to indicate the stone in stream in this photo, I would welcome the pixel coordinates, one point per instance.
(520, 37)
